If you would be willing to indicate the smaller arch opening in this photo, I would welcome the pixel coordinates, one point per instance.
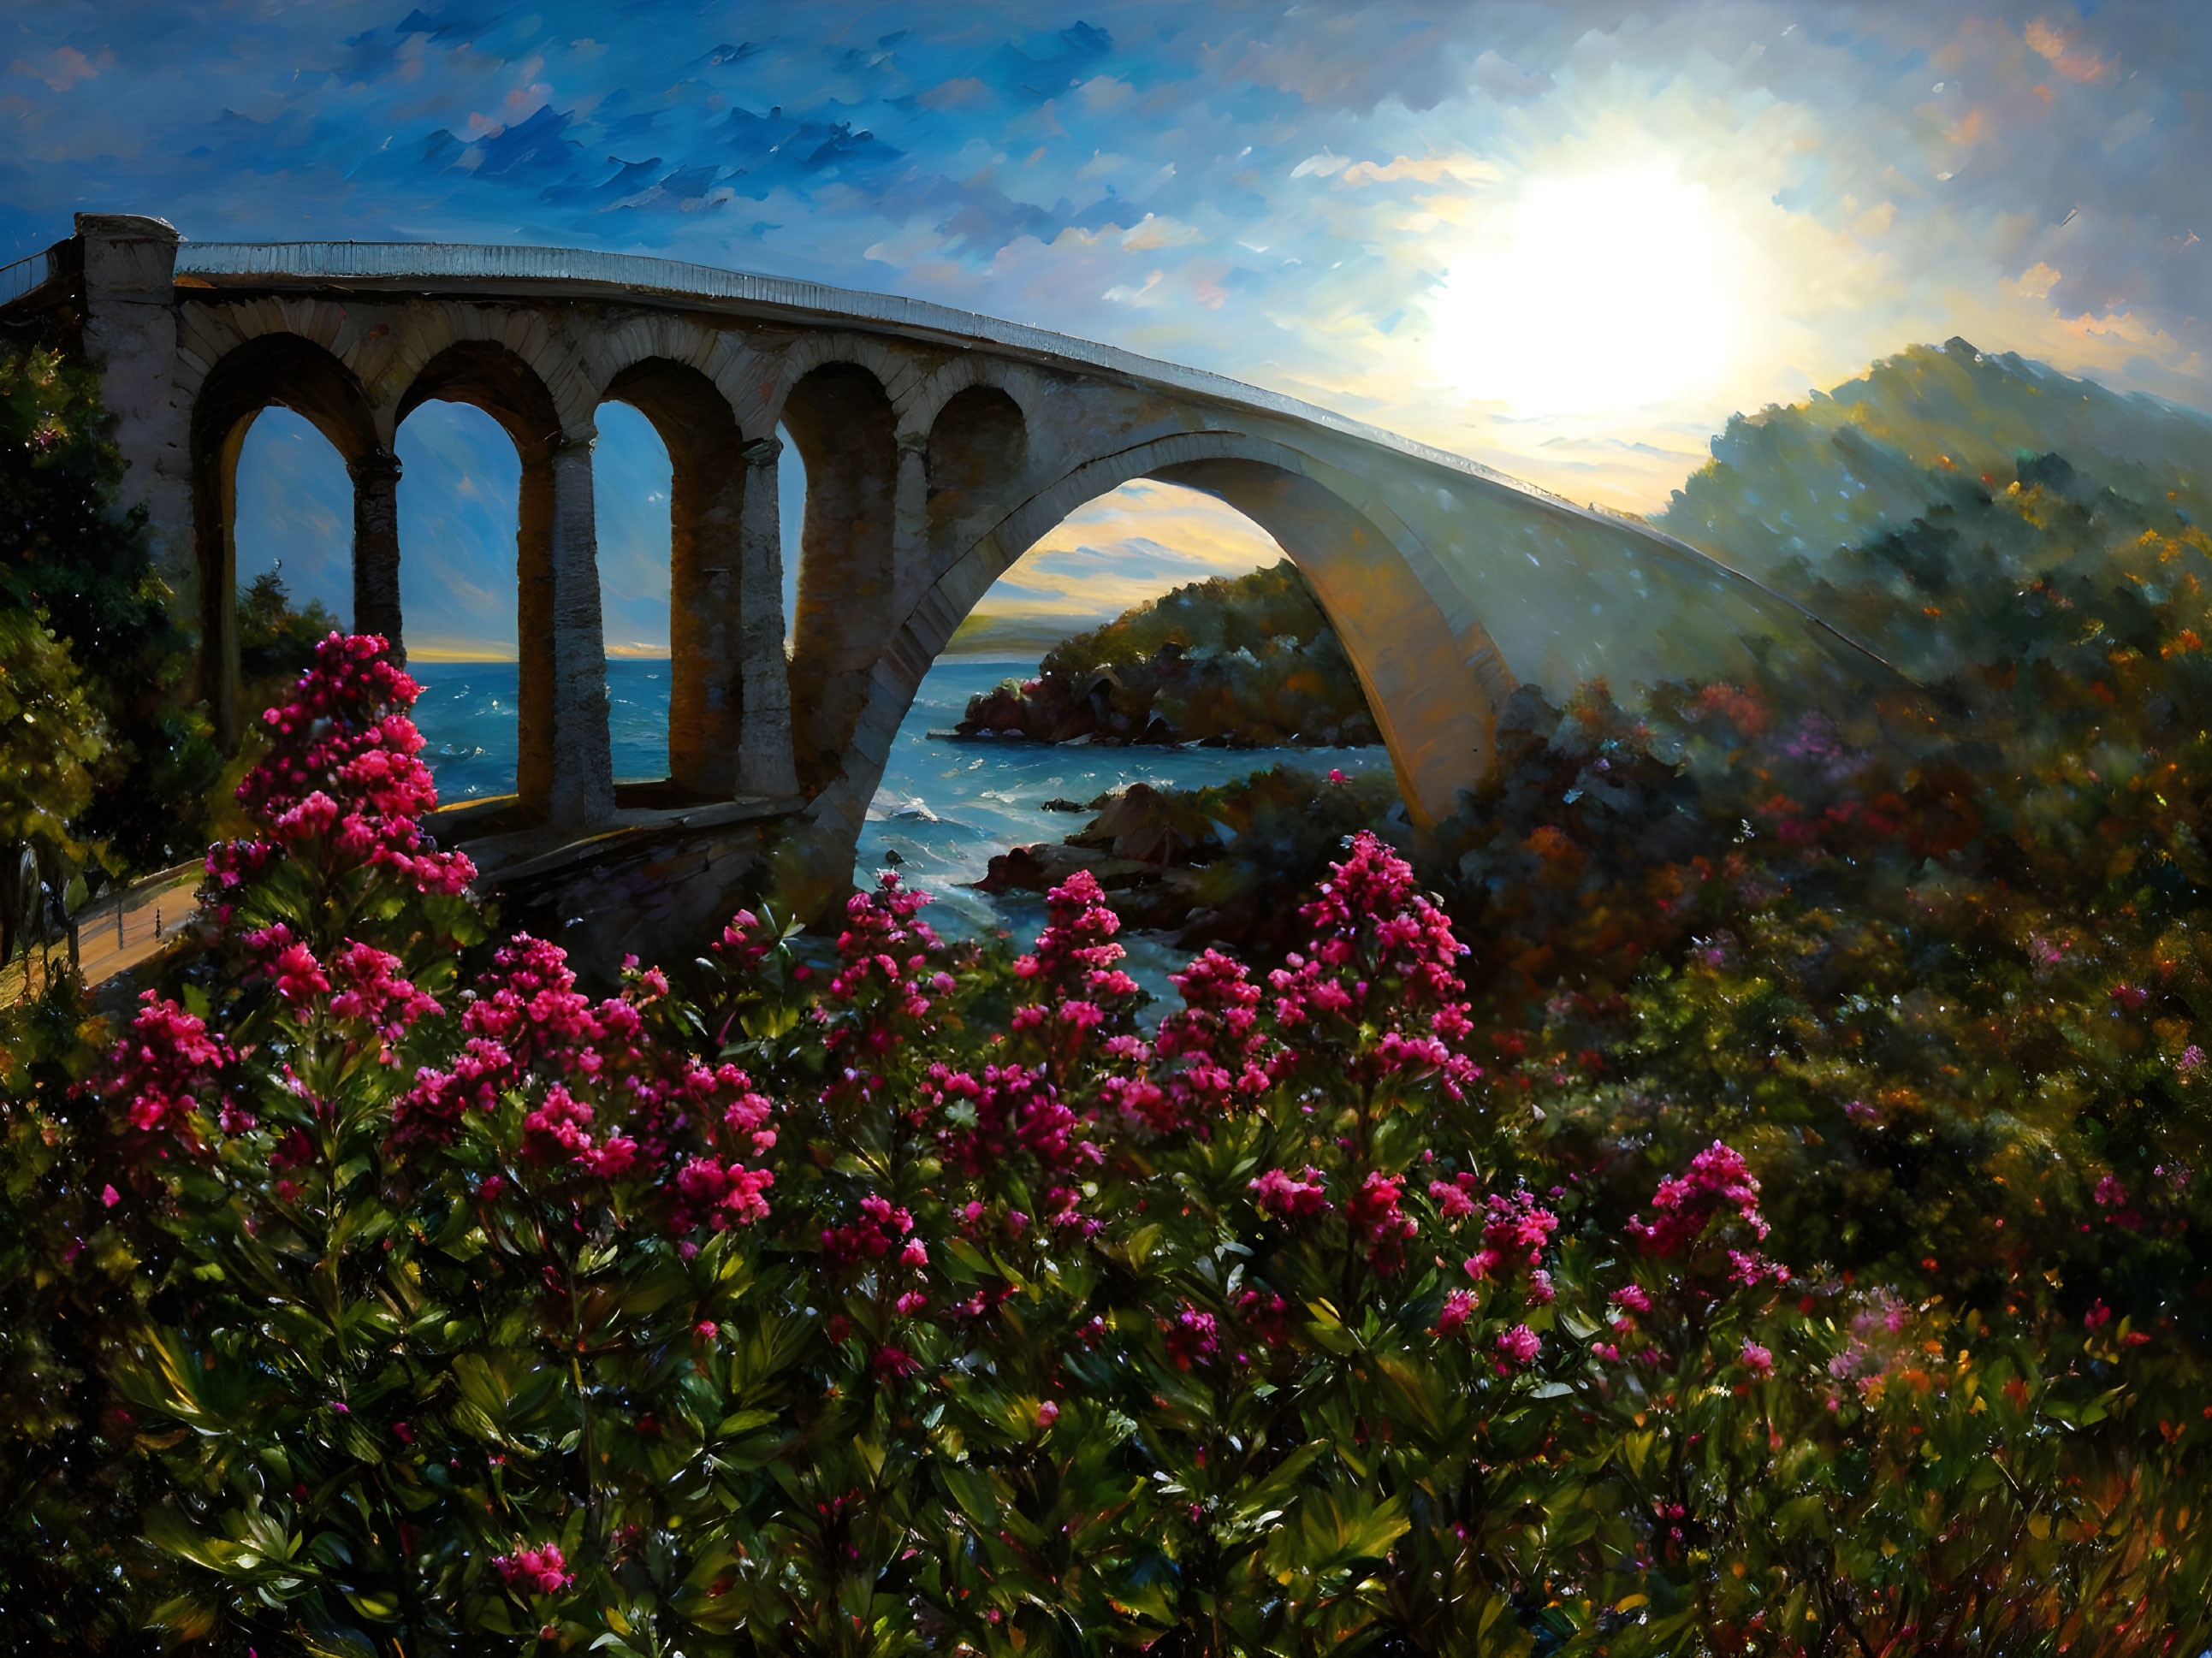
(680, 599)
(633, 479)
(460, 491)
(791, 530)
(281, 371)
(978, 444)
(493, 379)
(293, 534)
(562, 770)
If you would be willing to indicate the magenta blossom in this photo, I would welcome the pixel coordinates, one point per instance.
(541, 1570)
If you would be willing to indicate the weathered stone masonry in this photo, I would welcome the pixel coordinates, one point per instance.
(939, 447)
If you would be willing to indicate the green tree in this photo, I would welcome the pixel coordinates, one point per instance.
(86, 620)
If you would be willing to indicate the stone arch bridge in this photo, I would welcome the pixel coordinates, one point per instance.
(939, 447)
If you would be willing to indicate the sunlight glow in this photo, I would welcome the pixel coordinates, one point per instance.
(1594, 293)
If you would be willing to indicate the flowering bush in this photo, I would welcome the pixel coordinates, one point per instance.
(947, 1302)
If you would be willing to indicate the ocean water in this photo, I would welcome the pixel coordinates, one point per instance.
(944, 808)
(466, 716)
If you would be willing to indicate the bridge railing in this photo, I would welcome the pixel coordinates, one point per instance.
(58, 263)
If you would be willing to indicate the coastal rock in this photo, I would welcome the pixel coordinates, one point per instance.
(1136, 823)
(1048, 864)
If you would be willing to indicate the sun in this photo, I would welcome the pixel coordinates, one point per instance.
(1594, 293)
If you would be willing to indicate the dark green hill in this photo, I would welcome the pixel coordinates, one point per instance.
(1250, 662)
(1927, 428)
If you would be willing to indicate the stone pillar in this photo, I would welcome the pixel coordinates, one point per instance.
(911, 574)
(764, 762)
(565, 768)
(706, 619)
(213, 558)
(376, 547)
(130, 341)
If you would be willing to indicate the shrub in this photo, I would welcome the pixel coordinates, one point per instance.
(943, 1301)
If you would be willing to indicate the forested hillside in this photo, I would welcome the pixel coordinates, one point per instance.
(1932, 427)
(1251, 662)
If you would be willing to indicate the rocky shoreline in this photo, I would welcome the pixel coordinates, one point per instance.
(1207, 865)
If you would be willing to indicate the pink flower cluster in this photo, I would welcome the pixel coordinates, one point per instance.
(1193, 1338)
(169, 1066)
(1278, 1193)
(1007, 1107)
(359, 983)
(871, 1237)
(1520, 1345)
(2112, 1197)
(1074, 962)
(884, 945)
(1454, 1197)
(1382, 954)
(541, 1570)
(1223, 1057)
(341, 784)
(726, 1194)
(1514, 1237)
(1717, 1184)
(889, 975)
(606, 1100)
(1377, 1222)
(1459, 1306)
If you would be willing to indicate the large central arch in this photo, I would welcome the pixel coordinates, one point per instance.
(1433, 678)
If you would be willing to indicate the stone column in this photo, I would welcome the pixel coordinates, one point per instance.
(706, 619)
(130, 341)
(764, 762)
(565, 769)
(910, 563)
(376, 547)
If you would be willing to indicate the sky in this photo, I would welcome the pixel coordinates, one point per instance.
(1565, 240)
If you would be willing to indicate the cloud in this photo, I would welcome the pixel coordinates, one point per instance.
(1426, 169)
(1277, 194)
(64, 67)
(2063, 54)
(1502, 78)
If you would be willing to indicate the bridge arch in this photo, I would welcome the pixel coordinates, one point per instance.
(707, 556)
(275, 370)
(1433, 681)
(564, 769)
(897, 373)
(975, 455)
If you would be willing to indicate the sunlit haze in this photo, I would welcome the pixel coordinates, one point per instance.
(1592, 295)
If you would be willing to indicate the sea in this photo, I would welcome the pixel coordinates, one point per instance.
(946, 807)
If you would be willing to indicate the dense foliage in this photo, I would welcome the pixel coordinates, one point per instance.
(1735, 1188)
(1250, 662)
(1832, 1282)
(1931, 426)
(98, 759)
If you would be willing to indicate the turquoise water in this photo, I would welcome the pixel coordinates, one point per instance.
(944, 808)
(466, 716)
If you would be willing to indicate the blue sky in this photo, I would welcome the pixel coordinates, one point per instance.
(1568, 239)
